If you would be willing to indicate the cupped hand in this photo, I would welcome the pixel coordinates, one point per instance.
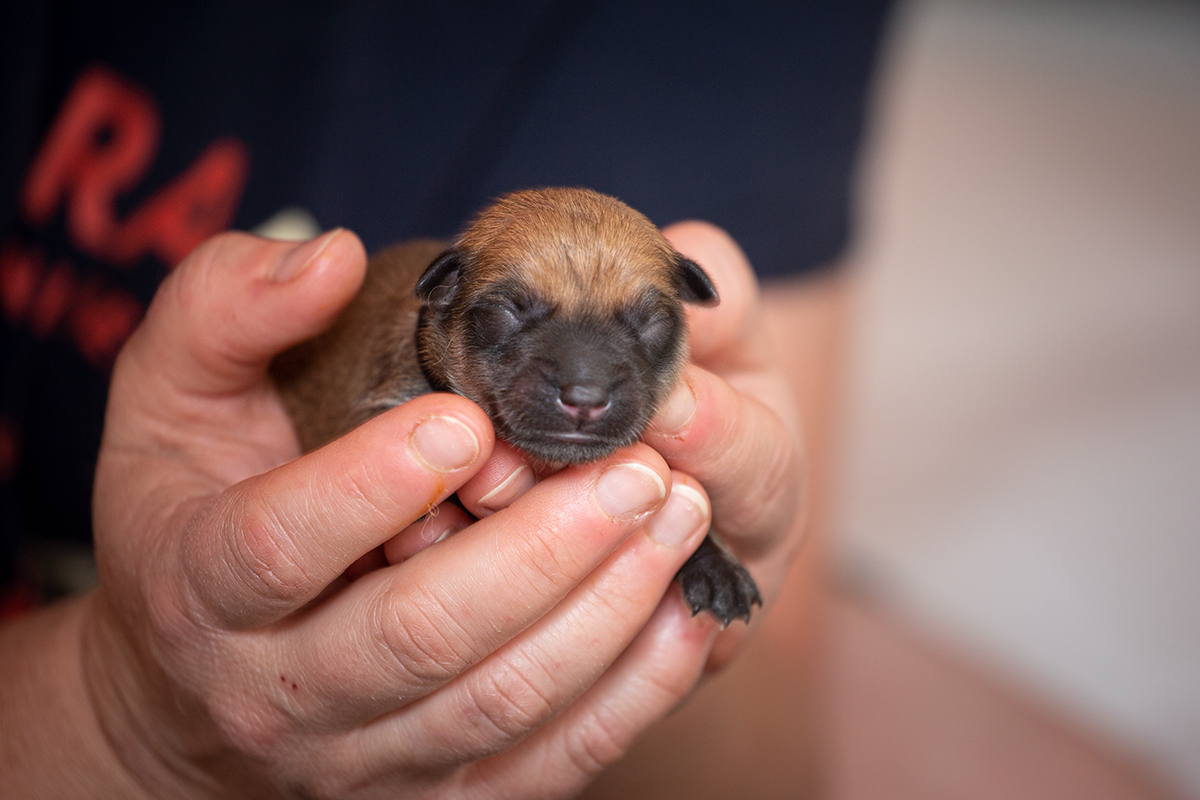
(732, 426)
(232, 651)
(733, 423)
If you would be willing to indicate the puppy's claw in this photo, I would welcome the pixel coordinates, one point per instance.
(713, 580)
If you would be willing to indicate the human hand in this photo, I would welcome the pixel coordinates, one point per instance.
(229, 653)
(734, 426)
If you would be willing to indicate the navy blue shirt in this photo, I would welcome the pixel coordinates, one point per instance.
(134, 131)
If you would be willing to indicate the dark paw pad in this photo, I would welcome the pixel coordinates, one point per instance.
(713, 580)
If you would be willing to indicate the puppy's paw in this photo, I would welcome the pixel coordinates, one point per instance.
(713, 580)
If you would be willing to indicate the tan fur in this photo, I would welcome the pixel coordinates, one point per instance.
(559, 311)
(367, 362)
(582, 249)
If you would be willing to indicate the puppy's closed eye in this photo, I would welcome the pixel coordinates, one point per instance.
(658, 332)
(500, 315)
(654, 325)
(493, 321)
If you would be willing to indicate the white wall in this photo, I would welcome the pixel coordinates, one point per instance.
(1022, 463)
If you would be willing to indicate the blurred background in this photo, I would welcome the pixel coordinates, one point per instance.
(1016, 549)
(1017, 525)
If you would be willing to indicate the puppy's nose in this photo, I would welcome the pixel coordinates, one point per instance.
(583, 401)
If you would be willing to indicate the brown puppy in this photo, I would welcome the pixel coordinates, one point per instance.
(558, 311)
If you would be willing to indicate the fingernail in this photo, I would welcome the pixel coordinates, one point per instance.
(628, 490)
(296, 260)
(448, 532)
(676, 414)
(680, 518)
(444, 444)
(518, 482)
(436, 534)
(416, 538)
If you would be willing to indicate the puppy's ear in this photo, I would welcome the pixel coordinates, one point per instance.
(693, 283)
(438, 285)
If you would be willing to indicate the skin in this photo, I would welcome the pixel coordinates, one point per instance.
(250, 637)
(760, 728)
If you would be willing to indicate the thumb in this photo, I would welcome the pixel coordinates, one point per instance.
(728, 335)
(236, 302)
(190, 394)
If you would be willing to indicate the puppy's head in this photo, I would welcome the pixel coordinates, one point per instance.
(559, 311)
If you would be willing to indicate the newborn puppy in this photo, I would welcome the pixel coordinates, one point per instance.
(558, 311)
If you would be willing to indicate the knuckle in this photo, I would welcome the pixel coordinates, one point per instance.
(415, 635)
(358, 491)
(262, 551)
(672, 681)
(766, 497)
(504, 704)
(618, 599)
(190, 280)
(777, 488)
(199, 291)
(214, 252)
(216, 244)
(597, 745)
(541, 562)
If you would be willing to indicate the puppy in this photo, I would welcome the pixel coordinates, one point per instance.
(558, 311)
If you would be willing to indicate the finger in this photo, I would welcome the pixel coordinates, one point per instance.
(443, 521)
(416, 626)
(235, 302)
(191, 381)
(651, 677)
(190, 408)
(365, 564)
(728, 335)
(271, 543)
(540, 672)
(507, 475)
(739, 448)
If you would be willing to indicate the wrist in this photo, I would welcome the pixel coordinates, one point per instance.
(53, 743)
(161, 739)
